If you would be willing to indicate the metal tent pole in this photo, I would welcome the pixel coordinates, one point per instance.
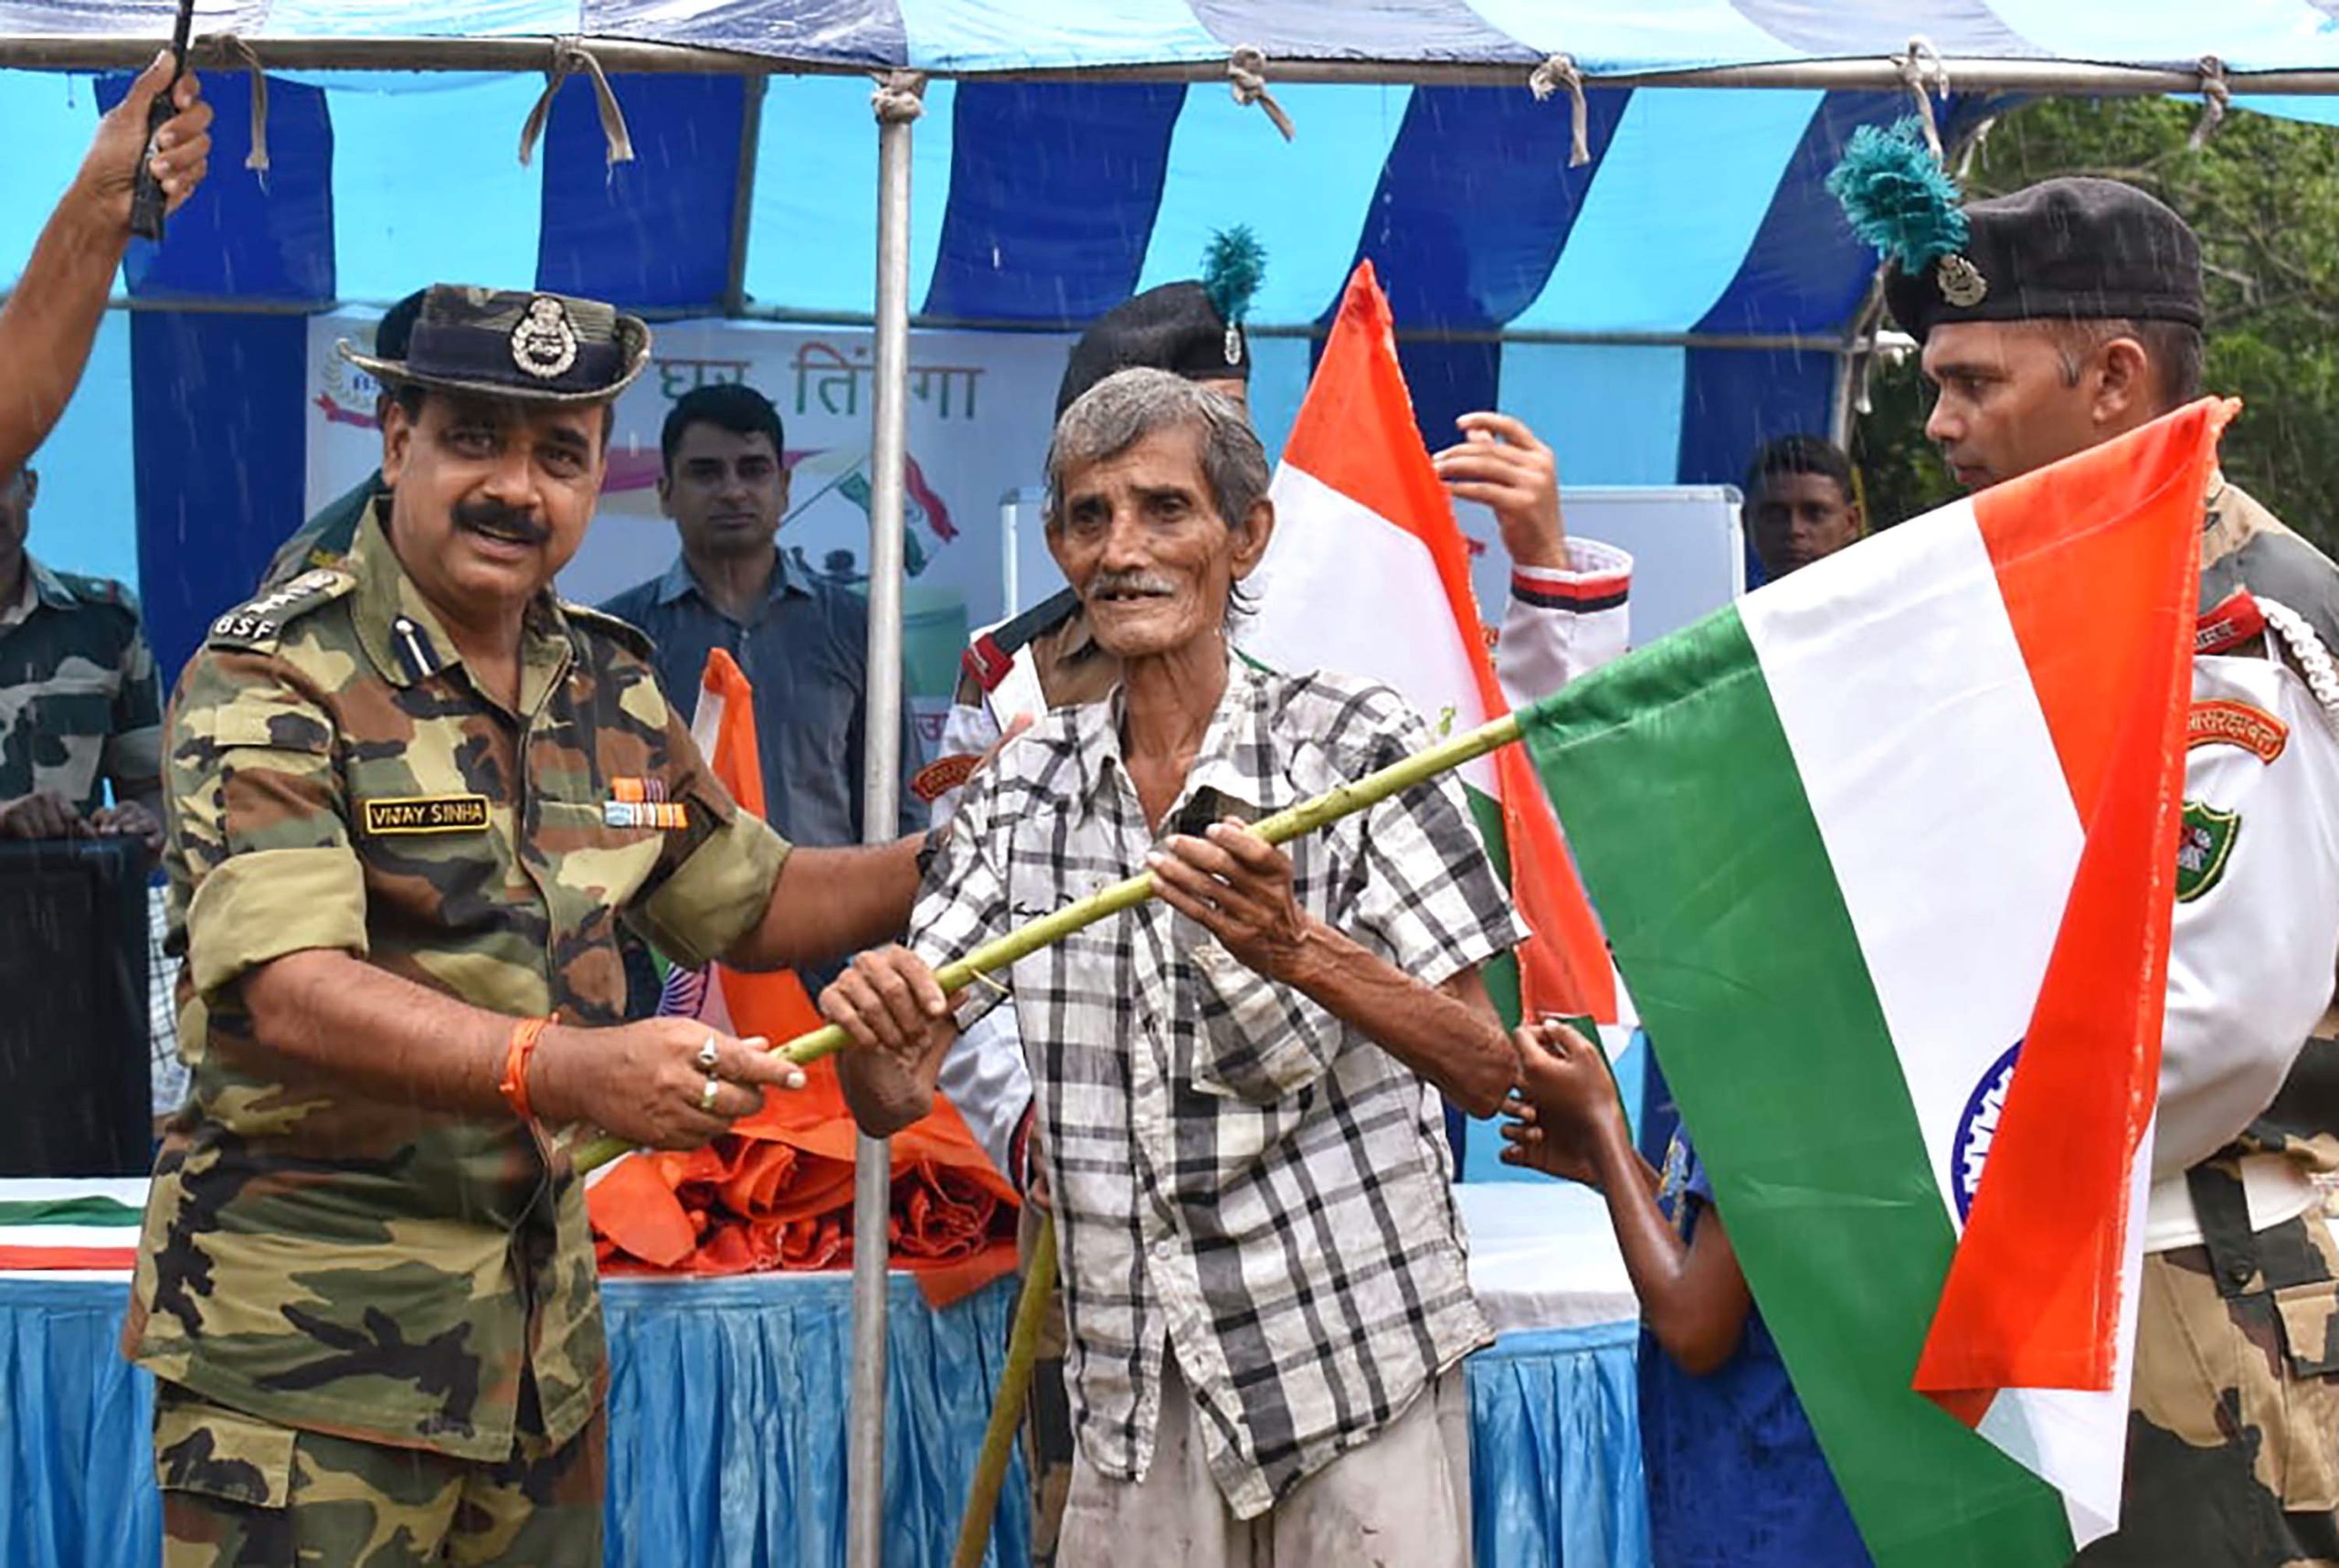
(898, 104)
(1866, 73)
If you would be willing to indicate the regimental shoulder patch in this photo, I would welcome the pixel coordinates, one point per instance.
(938, 778)
(2204, 844)
(2233, 621)
(2225, 722)
(258, 624)
(425, 814)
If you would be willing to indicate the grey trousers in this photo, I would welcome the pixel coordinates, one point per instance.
(1401, 1500)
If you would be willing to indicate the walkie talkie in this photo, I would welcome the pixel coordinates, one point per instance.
(146, 199)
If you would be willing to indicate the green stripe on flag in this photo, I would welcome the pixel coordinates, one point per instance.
(69, 1211)
(1688, 817)
(1500, 973)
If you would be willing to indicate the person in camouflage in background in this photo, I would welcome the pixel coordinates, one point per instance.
(80, 704)
(411, 797)
(2071, 314)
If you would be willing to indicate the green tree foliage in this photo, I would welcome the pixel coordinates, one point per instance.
(2264, 197)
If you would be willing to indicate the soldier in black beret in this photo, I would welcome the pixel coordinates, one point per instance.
(2052, 320)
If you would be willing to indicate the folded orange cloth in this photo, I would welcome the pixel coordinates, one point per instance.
(776, 1192)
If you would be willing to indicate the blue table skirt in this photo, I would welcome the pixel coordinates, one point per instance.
(727, 1430)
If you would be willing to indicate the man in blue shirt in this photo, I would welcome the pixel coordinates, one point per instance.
(803, 642)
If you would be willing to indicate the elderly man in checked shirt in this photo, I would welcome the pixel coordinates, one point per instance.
(1238, 1082)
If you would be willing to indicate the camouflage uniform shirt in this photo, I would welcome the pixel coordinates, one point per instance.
(326, 1259)
(78, 699)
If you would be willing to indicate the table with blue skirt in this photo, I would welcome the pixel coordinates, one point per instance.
(728, 1418)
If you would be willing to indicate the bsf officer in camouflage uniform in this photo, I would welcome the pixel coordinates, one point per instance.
(80, 704)
(412, 796)
(2072, 316)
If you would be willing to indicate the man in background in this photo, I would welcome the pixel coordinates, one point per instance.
(1801, 503)
(802, 643)
(81, 710)
(79, 705)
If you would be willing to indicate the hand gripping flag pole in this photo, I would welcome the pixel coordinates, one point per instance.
(1039, 1283)
(1343, 801)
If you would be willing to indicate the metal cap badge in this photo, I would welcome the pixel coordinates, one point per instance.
(506, 344)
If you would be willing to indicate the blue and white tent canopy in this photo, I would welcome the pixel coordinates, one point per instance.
(974, 37)
(1655, 312)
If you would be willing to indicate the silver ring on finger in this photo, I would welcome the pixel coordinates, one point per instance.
(707, 1055)
(706, 1096)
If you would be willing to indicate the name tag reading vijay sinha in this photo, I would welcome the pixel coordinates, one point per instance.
(426, 814)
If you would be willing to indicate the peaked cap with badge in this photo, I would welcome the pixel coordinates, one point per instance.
(507, 343)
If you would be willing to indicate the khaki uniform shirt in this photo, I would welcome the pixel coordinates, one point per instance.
(318, 1257)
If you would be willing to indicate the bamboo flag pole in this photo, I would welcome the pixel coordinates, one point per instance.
(1343, 801)
(1007, 1407)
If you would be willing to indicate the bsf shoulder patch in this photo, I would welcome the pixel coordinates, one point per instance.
(425, 814)
(257, 623)
(2204, 844)
(2225, 722)
(938, 778)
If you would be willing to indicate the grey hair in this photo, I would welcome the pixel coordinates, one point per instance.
(1128, 406)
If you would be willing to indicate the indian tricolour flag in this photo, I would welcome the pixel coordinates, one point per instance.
(1368, 574)
(1886, 852)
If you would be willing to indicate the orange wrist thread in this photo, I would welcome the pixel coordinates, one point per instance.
(515, 1086)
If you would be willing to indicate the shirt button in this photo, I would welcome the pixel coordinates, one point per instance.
(1164, 1250)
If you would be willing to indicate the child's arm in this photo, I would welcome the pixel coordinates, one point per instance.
(1569, 1122)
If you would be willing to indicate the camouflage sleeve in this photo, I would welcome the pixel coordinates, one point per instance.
(260, 831)
(716, 878)
(134, 752)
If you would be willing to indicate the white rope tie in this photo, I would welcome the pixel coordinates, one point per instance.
(1246, 67)
(570, 57)
(2312, 658)
(242, 54)
(1558, 74)
(900, 97)
(2216, 98)
(1924, 76)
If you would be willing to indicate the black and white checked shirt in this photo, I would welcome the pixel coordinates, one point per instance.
(1236, 1172)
